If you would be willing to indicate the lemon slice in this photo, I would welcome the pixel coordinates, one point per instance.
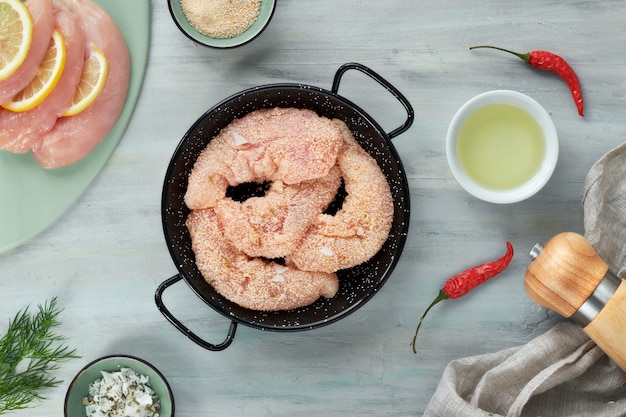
(92, 81)
(47, 77)
(16, 35)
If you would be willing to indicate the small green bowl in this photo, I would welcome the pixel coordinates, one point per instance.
(265, 15)
(79, 387)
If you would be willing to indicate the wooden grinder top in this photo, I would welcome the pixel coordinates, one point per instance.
(564, 274)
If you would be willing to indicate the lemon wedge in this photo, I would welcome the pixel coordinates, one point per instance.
(92, 81)
(16, 35)
(47, 77)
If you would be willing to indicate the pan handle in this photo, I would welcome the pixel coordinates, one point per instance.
(393, 90)
(158, 296)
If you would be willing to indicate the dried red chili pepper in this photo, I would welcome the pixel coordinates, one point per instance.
(547, 61)
(465, 281)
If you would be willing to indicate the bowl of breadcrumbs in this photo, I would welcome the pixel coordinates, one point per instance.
(222, 23)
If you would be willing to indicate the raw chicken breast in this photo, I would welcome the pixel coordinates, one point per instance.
(73, 137)
(19, 131)
(252, 283)
(278, 144)
(43, 25)
(273, 225)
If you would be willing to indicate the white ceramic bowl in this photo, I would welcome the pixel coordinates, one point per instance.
(540, 176)
(265, 15)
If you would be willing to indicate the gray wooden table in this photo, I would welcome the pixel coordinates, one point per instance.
(105, 257)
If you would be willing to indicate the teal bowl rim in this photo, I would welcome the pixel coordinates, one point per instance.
(260, 24)
(168, 389)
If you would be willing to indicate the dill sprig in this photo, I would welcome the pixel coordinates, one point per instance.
(29, 352)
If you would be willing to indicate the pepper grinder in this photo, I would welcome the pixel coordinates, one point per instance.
(568, 276)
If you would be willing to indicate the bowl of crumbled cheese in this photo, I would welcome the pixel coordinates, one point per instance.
(222, 23)
(119, 386)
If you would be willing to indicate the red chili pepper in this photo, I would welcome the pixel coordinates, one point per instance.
(547, 61)
(464, 282)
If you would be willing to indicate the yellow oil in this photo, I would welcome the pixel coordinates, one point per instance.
(500, 146)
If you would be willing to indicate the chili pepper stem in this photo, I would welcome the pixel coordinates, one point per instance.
(525, 57)
(440, 297)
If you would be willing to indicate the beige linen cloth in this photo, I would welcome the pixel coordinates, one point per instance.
(561, 373)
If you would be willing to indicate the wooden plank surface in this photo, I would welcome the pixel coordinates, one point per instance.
(105, 257)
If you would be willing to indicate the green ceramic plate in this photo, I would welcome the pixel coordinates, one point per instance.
(265, 15)
(32, 198)
(79, 387)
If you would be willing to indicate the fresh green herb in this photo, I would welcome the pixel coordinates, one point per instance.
(29, 352)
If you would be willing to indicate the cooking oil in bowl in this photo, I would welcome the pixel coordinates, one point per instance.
(500, 146)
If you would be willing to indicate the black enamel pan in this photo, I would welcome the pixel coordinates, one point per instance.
(358, 284)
